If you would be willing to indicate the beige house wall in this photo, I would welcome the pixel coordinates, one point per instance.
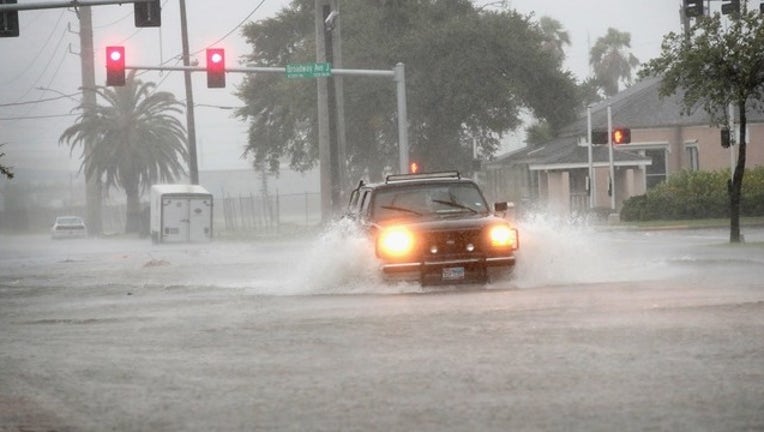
(711, 155)
(558, 187)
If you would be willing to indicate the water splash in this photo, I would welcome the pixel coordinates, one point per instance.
(556, 251)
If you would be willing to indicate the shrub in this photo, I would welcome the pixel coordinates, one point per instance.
(696, 195)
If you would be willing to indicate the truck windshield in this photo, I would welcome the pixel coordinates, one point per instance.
(428, 200)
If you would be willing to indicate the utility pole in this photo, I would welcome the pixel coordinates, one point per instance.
(92, 183)
(193, 169)
(337, 103)
(331, 111)
(325, 157)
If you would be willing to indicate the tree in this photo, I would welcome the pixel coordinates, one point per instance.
(555, 37)
(538, 133)
(716, 65)
(4, 170)
(611, 60)
(136, 141)
(589, 92)
(469, 74)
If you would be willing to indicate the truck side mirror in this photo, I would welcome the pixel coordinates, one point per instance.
(506, 209)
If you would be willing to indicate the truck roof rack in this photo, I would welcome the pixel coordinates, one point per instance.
(424, 176)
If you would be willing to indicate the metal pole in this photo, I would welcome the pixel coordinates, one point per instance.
(403, 134)
(610, 152)
(592, 189)
(190, 124)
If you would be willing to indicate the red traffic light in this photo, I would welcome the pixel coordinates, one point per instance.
(215, 67)
(413, 168)
(115, 66)
(621, 135)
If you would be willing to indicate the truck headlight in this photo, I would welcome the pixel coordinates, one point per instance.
(395, 242)
(502, 236)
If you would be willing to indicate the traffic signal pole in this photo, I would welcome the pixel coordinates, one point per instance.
(610, 154)
(193, 167)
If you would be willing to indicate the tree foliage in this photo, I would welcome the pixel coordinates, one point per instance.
(611, 60)
(132, 142)
(4, 170)
(556, 38)
(469, 74)
(715, 65)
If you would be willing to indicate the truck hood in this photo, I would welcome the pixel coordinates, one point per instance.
(446, 224)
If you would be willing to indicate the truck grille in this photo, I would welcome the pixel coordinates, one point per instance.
(452, 243)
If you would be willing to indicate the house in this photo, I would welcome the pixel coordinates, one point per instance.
(555, 175)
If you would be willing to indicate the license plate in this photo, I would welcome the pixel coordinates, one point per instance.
(453, 273)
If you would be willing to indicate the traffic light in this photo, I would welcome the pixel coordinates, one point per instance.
(413, 168)
(693, 8)
(729, 7)
(147, 14)
(9, 21)
(621, 135)
(115, 66)
(215, 68)
(599, 136)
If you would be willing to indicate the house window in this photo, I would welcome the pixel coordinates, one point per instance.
(656, 173)
(693, 163)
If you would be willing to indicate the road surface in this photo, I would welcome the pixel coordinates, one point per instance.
(596, 331)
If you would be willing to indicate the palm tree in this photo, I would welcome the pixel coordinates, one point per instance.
(136, 141)
(555, 37)
(611, 60)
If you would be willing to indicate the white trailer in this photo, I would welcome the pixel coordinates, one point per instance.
(180, 213)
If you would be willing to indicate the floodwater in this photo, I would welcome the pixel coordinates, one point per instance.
(340, 260)
(597, 329)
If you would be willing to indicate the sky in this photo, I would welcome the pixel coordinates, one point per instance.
(40, 72)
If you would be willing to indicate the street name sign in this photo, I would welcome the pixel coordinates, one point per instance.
(309, 70)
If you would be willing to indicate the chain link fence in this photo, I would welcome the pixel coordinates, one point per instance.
(275, 213)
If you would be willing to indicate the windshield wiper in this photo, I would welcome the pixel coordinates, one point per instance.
(455, 204)
(403, 209)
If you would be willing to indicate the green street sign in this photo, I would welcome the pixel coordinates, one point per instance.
(309, 70)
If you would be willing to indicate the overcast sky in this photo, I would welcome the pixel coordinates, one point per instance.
(45, 56)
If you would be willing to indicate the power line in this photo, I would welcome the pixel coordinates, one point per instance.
(38, 101)
(235, 28)
(40, 51)
(37, 117)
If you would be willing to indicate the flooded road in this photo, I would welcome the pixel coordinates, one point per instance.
(596, 330)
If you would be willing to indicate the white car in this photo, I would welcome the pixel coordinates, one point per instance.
(68, 227)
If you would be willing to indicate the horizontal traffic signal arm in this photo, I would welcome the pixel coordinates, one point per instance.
(65, 4)
(147, 12)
